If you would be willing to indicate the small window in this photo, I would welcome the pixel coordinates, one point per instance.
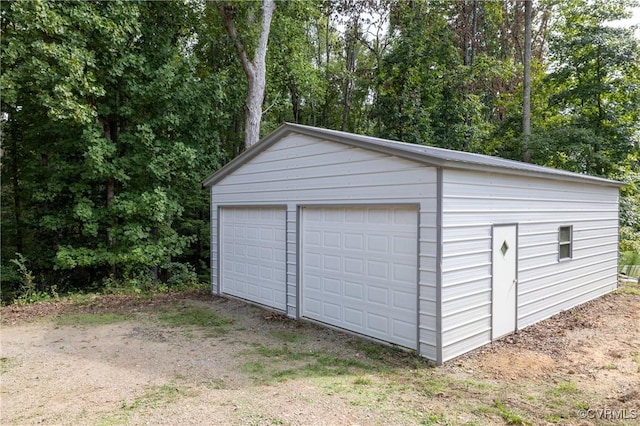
(565, 242)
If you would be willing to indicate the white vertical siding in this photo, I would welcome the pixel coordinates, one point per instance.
(474, 201)
(300, 170)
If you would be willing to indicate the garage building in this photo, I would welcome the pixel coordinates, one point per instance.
(430, 249)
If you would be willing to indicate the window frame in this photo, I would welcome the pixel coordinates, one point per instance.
(567, 243)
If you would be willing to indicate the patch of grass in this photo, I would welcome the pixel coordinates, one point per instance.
(479, 385)
(635, 357)
(214, 384)
(362, 381)
(252, 367)
(565, 388)
(552, 418)
(509, 416)
(379, 352)
(285, 363)
(610, 367)
(90, 319)
(434, 419)
(627, 287)
(432, 387)
(153, 397)
(156, 396)
(561, 402)
(194, 316)
(280, 352)
(483, 410)
(260, 420)
(114, 420)
(6, 364)
(288, 336)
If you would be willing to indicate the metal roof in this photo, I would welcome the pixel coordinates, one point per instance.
(432, 156)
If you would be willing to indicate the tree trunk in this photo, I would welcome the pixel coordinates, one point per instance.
(526, 98)
(327, 49)
(255, 70)
(351, 53)
(253, 109)
(295, 102)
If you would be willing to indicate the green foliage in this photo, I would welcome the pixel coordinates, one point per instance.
(629, 173)
(595, 89)
(509, 416)
(21, 284)
(629, 264)
(130, 282)
(108, 132)
(181, 275)
(113, 112)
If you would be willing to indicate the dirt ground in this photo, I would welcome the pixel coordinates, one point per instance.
(126, 360)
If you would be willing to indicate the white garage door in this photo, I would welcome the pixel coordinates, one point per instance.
(359, 270)
(252, 254)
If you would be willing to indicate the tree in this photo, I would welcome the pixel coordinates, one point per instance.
(109, 130)
(526, 97)
(595, 85)
(255, 69)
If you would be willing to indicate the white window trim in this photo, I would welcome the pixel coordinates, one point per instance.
(565, 243)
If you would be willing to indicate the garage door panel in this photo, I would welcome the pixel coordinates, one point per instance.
(331, 263)
(359, 270)
(378, 323)
(253, 254)
(404, 300)
(353, 317)
(353, 241)
(378, 269)
(403, 272)
(404, 329)
(332, 311)
(404, 246)
(353, 290)
(353, 266)
(378, 296)
(378, 243)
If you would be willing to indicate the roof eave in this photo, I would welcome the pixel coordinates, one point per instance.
(574, 177)
(357, 141)
(247, 155)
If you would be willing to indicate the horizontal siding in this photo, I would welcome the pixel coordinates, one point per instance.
(213, 263)
(300, 170)
(303, 170)
(292, 261)
(474, 201)
(427, 240)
